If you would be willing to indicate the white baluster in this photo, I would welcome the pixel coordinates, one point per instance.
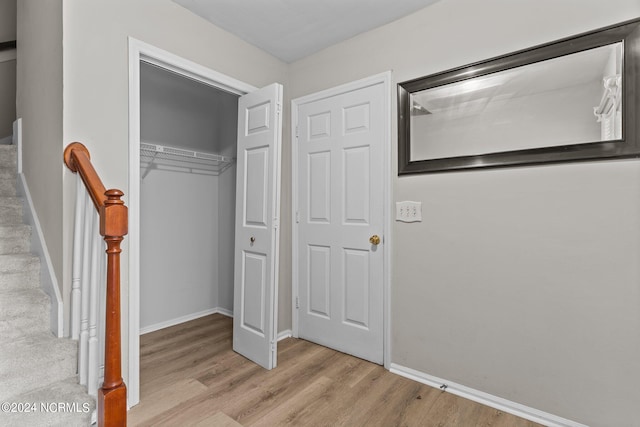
(90, 215)
(76, 277)
(88, 297)
(97, 253)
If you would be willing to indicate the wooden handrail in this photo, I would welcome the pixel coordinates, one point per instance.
(77, 158)
(112, 396)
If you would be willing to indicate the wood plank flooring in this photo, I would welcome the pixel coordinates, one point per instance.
(190, 376)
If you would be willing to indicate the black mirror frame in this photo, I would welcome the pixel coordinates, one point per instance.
(629, 146)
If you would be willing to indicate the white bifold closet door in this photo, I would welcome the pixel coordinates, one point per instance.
(257, 223)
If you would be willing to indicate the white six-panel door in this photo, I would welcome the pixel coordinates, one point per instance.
(340, 169)
(257, 222)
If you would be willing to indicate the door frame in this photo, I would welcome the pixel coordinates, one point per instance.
(385, 80)
(141, 51)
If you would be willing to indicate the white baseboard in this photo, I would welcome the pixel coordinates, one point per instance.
(218, 310)
(182, 319)
(225, 312)
(281, 335)
(486, 398)
(287, 333)
(48, 280)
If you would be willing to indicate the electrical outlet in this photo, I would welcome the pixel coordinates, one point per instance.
(409, 211)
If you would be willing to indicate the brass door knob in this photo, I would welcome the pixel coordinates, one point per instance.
(375, 239)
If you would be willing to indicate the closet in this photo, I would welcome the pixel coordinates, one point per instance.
(188, 134)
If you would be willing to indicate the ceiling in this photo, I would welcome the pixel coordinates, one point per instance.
(293, 29)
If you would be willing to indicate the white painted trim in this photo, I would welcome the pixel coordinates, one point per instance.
(133, 380)
(8, 55)
(385, 80)
(487, 399)
(141, 51)
(294, 219)
(48, 280)
(284, 334)
(181, 319)
(344, 88)
(275, 274)
(388, 223)
(167, 60)
(224, 312)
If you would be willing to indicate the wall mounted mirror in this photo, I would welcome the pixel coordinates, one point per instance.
(573, 99)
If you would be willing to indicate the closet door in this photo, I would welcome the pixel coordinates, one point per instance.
(257, 223)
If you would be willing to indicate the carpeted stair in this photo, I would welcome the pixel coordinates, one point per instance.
(37, 370)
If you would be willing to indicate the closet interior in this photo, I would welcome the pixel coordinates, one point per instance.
(187, 198)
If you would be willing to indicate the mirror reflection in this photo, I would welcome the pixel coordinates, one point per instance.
(572, 99)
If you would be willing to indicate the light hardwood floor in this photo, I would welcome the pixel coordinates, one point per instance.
(190, 376)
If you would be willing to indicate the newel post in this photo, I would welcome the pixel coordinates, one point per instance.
(112, 397)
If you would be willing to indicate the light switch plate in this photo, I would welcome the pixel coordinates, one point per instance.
(408, 211)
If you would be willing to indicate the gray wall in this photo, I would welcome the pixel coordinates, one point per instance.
(8, 20)
(226, 236)
(39, 104)
(96, 92)
(524, 282)
(178, 246)
(186, 246)
(181, 112)
(548, 317)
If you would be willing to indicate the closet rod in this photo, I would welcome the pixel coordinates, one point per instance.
(155, 154)
(181, 152)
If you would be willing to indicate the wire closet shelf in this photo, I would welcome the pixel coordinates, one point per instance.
(154, 156)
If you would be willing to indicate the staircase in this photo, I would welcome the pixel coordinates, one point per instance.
(37, 370)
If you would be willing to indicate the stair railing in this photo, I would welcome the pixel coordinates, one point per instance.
(112, 213)
(88, 282)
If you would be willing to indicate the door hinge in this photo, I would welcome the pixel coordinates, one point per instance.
(276, 223)
(273, 346)
(297, 302)
(279, 107)
(297, 131)
(297, 217)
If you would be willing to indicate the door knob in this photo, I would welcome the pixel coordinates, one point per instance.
(252, 240)
(375, 239)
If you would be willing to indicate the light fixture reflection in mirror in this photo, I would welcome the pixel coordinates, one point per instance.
(571, 99)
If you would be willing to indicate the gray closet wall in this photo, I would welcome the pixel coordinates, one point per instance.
(187, 218)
